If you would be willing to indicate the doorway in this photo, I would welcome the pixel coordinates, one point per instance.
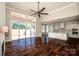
(21, 30)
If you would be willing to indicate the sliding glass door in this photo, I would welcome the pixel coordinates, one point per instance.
(21, 30)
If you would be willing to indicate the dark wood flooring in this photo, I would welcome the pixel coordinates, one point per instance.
(40, 47)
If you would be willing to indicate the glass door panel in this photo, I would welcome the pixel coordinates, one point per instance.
(21, 30)
(15, 30)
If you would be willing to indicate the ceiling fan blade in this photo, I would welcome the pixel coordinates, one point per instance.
(41, 10)
(39, 15)
(44, 13)
(32, 10)
(34, 14)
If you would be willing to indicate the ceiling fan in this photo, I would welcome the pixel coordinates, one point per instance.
(39, 12)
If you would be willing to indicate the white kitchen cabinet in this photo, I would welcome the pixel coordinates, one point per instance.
(62, 36)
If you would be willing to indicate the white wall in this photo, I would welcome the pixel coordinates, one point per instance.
(2, 23)
(8, 19)
(66, 11)
(7, 23)
(38, 27)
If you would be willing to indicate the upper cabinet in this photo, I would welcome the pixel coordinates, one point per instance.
(62, 25)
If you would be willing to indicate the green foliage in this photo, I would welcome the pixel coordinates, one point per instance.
(20, 26)
(15, 26)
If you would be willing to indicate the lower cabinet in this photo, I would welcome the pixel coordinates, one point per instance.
(62, 36)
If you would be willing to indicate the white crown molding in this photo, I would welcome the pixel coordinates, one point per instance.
(17, 10)
(62, 8)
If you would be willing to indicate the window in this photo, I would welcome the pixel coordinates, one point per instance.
(21, 27)
(50, 28)
(44, 28)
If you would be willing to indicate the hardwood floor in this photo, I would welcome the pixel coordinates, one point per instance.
(39, 47)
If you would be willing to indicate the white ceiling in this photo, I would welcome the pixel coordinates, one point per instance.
(26, 6)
